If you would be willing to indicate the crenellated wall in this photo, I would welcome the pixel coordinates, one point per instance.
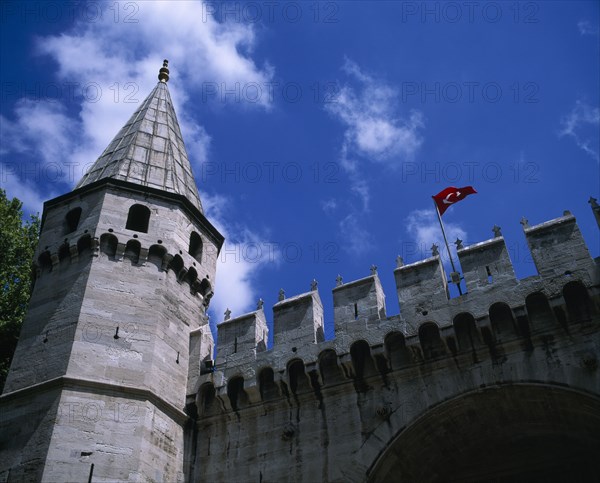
(316, 410)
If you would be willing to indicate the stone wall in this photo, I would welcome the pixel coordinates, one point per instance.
(312, 410)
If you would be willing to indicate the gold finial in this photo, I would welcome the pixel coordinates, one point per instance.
(163, 73)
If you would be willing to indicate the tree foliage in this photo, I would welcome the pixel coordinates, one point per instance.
(18, 241)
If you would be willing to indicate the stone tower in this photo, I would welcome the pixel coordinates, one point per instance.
(117, 321)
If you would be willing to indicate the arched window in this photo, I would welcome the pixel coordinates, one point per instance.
(72, 220)
(195, 249)
(138, 218)
(431, 342)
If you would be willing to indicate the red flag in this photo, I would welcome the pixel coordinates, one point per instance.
(445, 198)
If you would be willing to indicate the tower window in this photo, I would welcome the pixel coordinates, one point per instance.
(195, 249)
(138, 218)
(72, 220)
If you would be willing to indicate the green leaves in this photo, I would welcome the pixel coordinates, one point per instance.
(18, 241)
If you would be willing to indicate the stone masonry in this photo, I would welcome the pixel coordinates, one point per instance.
(115, 376)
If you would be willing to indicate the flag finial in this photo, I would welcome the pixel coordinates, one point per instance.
(163, 73)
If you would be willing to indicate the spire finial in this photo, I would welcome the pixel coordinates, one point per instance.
(163, 73)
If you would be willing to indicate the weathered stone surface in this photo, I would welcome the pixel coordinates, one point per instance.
(114, 379)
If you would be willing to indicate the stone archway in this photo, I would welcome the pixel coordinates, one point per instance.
(517, 433)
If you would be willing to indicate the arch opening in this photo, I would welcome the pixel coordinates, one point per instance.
(535, 433)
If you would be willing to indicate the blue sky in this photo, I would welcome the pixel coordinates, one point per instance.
(319, 131)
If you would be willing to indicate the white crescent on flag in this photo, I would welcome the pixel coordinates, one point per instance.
(447, 201)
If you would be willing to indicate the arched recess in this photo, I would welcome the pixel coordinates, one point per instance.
(108, 245)
(297, 376)
(236, 393)
(465, 330)
(207, 400)
(84, 245)
(539, 312)
(266, 384)
(176, 265)
(395, 346)
(191, 277)
(156, 254)
(431, 342)
(502, 321)
(578, 302)
(132, 251)
(535, 432)
(45, 261)
(363, 363)
(331, 372)
(64, 252)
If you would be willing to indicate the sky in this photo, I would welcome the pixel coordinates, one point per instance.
(318, 131)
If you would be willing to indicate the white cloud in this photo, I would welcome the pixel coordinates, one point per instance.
(424, 230)
(582, 118)
(329, 206)
(24, 190)
(41, 129)
(585, 28)
(375, 129)
(375, 132)
(107, 67)
(243, 255)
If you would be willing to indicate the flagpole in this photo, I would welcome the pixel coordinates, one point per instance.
(437, 210)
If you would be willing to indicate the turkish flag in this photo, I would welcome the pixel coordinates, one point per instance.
(446, 198)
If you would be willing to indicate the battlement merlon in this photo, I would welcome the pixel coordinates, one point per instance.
(298, 320)
(558, 249)
(359, 306)
(241, 337)
(421, 286)
(486, 263)
(360, 301)
(201, 350)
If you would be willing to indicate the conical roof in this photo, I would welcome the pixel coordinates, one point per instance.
(149, 149)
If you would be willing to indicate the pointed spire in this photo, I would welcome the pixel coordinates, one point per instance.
(149, 149)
